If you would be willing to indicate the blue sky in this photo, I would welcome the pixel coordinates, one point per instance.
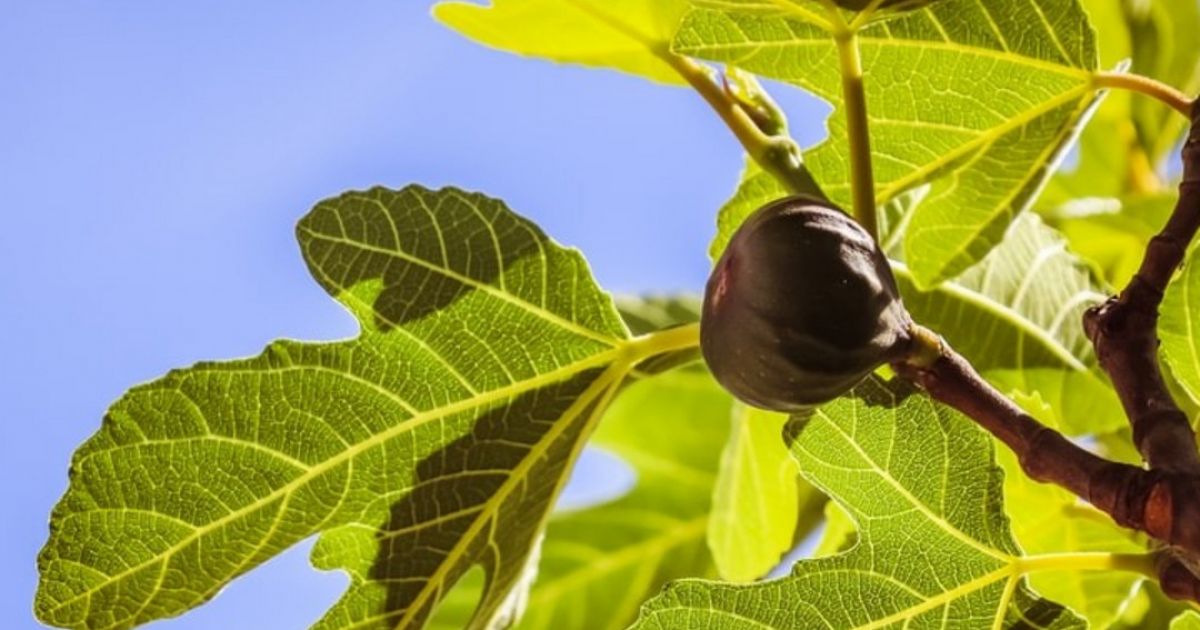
(154, 157)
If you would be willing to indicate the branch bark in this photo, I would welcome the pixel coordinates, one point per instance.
(1163, 504)
(1124, 331)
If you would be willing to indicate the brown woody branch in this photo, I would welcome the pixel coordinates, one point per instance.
(1163, 504)
(1163, 501)
(1124, 331)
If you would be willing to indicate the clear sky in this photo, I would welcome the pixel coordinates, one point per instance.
(154, 157)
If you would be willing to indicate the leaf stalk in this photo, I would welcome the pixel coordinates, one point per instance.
(1170, 96)
(854, 96)
(779, 155)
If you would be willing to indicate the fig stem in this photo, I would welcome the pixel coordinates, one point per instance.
(862, 178)
(1170, 96)
(926, 348)
(778, 155)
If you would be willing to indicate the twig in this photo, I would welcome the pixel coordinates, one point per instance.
(1124, 332)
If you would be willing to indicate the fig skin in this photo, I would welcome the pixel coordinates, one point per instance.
(801, 306)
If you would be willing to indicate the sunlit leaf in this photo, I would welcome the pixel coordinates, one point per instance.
(1187, 621)
(756, 499)
(978, 99)
(628, 35)
(934, 550)
(433, 442)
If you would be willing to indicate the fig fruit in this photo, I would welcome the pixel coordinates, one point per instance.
(801, 306)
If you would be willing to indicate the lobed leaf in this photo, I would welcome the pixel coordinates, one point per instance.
(977, 99)
(934, 548)
(432, 443)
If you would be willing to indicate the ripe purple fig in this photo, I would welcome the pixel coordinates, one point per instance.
(801, 306)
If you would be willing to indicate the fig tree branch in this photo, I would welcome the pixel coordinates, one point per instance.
(1163, 504)
(1124, 332)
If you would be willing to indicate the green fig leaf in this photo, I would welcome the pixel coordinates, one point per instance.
(757, 497)
(628, 35)
(433, 442)
(934, 548)
(977, 100)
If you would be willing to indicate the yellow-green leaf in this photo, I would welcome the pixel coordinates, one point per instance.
(933, 551)
(433, 442)
(756, 499)
(628, 35)
(1179, 327)
(976, 99)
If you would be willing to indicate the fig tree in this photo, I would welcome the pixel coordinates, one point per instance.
(800, 307)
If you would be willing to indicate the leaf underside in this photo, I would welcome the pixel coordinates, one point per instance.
(934, 548)
(433, 442)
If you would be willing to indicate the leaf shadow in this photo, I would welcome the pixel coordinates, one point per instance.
(453, 485)
(424, 249)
